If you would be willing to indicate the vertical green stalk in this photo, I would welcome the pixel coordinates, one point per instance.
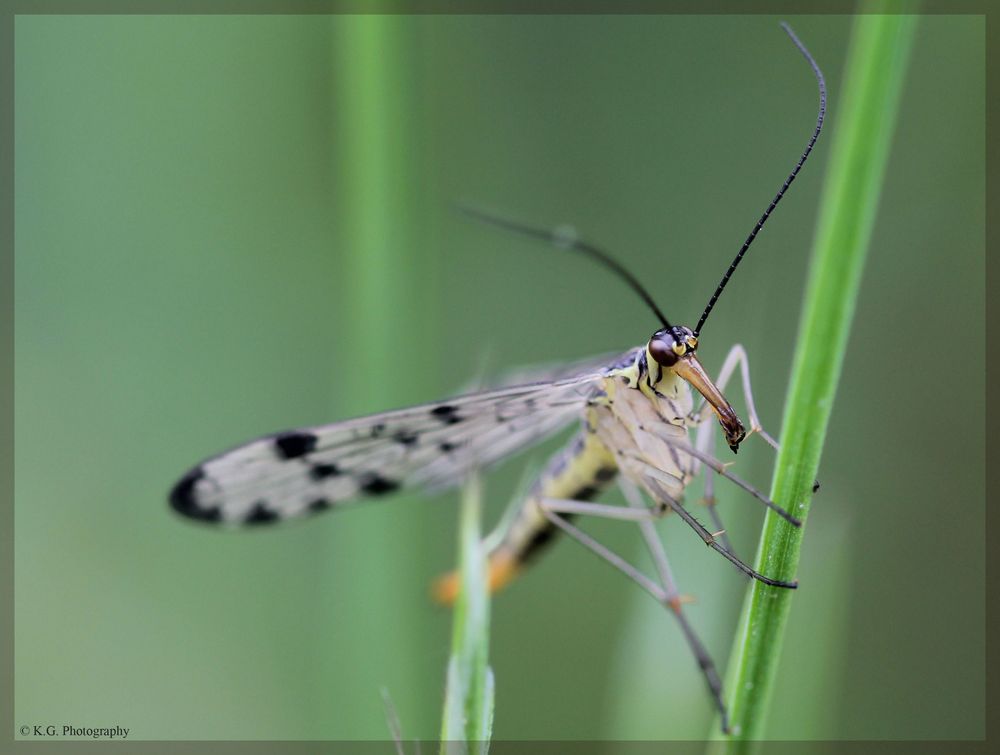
(880, 46)
(374, 175)
(377, 244)
(467, 722)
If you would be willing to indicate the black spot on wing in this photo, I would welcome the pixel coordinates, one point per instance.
(320, 504)
(406, 437)
(373, 483)
(182, 494)
(260, 514)
(320, 472)
(294, 444)
(585, 493)
(184, 501)
(446, 413)
(447, 447)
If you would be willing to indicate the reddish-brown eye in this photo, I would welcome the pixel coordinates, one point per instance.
(662, 350)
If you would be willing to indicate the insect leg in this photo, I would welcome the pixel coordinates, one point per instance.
(705, 443)
(737, 356)
(608, 555)
(709, 540)
(659, 555)
(714, 464)
(667, 594)
(602, 510)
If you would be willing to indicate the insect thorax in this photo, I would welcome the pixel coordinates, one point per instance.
(641, 415)
(669, 395)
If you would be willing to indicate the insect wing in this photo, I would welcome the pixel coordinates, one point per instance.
(309, 470)
(558, 371)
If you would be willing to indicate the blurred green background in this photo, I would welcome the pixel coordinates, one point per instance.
(232, 225)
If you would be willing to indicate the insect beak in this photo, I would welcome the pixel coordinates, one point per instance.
(689, 368)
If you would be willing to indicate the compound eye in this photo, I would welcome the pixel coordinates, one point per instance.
(665, 351)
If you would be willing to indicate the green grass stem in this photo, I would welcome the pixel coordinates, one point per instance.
(467, 722)
(865, 117)
(377, 251)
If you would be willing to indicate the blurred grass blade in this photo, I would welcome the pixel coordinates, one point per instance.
(880, 46)
(468, 706)
(375, 249)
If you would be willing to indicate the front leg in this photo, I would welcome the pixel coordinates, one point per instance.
(661, 495)
(737, 356)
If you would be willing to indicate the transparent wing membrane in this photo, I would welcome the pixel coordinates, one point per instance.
(305, 471)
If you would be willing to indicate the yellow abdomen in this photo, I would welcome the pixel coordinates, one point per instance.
(578, 472)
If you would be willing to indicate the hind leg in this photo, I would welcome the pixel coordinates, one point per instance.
(705, 443)
(663, 591)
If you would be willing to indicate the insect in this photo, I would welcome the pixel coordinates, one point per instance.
(636, 415)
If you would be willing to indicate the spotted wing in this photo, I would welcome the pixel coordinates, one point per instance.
(309, 470)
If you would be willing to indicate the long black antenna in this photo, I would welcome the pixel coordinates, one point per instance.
(784, 186)
(566, 239)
